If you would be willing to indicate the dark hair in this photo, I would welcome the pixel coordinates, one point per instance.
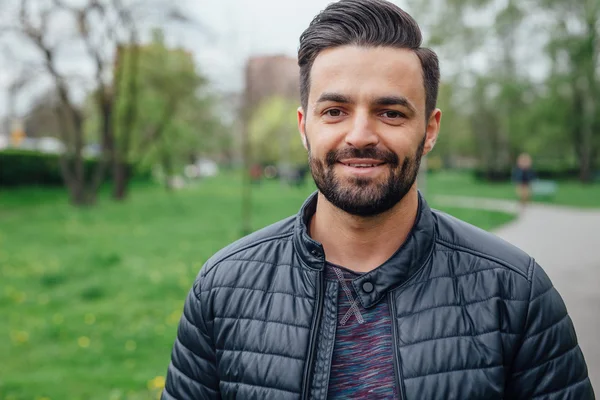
(366, 23)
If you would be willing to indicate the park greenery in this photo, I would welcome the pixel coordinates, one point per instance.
(274, 133)
(517, 76)
(91, 297)
(147, 103)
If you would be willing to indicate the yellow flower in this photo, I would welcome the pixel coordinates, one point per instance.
(130, 345)
(19, 297)
(155, 276)
(174, 317)
(90, 319)
(84, 342)
(43, 299)
(115, 395)
(157, 383)
(20, 336)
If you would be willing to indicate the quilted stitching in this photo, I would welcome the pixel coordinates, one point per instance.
(480, 320)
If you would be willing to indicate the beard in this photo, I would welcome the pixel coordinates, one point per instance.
(363, 196)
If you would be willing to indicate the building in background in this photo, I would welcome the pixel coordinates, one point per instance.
(268, 76)
(3, 141)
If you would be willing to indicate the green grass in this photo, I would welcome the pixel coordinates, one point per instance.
(569, 193)
(90, 298)
(487, 220)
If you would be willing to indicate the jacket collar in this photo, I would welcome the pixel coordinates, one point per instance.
(373, 285)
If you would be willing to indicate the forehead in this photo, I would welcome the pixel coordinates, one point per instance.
(367, 72)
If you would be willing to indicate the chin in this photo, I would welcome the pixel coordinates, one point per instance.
(361, 182)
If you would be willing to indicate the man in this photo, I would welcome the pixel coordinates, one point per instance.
(368, 293)
(523, 176)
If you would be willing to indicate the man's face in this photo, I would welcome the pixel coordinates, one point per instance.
(365, 126)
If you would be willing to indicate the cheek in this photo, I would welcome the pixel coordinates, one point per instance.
(401, 144)
(406, 139)
(319, 142)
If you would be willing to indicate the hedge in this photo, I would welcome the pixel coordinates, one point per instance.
(548, 173)
(29, 168)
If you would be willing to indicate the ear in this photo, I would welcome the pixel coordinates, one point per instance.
(302, 126)
(433, 129)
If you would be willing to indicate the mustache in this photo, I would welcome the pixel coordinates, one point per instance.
(388, 157)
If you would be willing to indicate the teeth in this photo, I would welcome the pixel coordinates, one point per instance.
(361, 165)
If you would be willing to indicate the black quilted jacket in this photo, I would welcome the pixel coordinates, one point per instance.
(474, 318)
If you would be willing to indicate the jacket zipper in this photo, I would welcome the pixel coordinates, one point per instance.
(308, 369)
(397, 368)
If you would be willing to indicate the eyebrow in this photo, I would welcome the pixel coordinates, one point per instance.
(379, 101)
(395, 101)
(335, 98)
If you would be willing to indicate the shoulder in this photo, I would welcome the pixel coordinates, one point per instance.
(459, 235)
(256, 247)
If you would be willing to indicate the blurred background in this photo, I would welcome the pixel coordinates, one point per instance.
(137, 138)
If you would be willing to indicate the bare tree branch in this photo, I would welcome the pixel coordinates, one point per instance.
(36, 35)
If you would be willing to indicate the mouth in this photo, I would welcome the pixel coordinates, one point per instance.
(362, 163)
(363, 167)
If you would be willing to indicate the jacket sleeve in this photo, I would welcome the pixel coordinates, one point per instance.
(192, 372)
(549, 363)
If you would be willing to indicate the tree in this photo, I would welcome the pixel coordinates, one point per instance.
(175, 117)
(274, 133)
(166, 82)
(41, 120)
(456, 136)
(575, 79)
(56, 28)
(488, 59)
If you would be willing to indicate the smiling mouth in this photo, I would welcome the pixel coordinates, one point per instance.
(370, 164)
(362, 165)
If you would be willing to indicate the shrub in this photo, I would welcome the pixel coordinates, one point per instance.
(29, 168)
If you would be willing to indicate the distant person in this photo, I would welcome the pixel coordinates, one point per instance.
(256, 173)
(299, 175)
(523, 175)
(367, 293)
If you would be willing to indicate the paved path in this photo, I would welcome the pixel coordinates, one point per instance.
(566, 243)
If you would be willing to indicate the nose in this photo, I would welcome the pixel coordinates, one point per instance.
(362, 132)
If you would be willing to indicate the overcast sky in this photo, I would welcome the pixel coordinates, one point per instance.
(236, 29)
(246, 27)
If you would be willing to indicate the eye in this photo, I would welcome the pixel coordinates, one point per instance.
(334, 112)
(393, 114)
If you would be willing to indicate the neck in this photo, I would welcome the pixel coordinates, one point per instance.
(363, 243)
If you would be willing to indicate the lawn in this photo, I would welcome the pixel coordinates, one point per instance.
(569, 193)
(90, 299)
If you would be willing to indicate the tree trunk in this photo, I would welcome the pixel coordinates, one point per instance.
(121, 178)
(587, 132)
(585, 169)
(76, 188)
(246, 228)
(167, 166)
(108, 144)
(77, 195)
(587, 86)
